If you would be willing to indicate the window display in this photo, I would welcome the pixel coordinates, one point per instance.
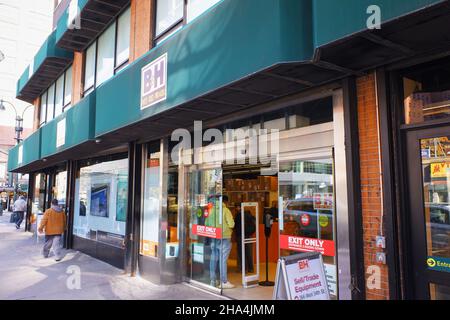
(101, 199)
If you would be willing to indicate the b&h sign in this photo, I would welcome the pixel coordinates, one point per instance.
(154, 82)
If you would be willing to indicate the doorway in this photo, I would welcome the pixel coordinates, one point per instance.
(428, 155)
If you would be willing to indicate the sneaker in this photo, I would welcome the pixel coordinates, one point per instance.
(213, 283)
(228, 285)
(17, 227)
(58, 260)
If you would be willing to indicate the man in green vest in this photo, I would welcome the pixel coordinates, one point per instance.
(220, 248)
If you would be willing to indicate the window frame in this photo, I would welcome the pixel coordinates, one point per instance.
(117, 68)
(179, 23)
(63, 75)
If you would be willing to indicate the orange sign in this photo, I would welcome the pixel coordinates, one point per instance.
(149, 248)
(440, 169)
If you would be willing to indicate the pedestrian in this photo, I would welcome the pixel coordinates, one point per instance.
(53, 224)
(220, 248)
(20, 206)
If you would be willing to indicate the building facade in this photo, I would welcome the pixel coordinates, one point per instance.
(326, 123)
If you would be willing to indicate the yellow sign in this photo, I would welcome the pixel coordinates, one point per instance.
(440, 169)
(431, 262)
(323, 221)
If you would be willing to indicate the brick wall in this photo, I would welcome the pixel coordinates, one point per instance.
(371, 197)
(141, 28)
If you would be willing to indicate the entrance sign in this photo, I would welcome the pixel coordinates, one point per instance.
(301, 277)
(154, 82)
(208, 232)
(302, 244)
(439, 264)
(61, 133)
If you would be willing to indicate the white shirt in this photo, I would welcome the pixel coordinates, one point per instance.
(20, 205)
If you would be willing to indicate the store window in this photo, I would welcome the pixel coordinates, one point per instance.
(39, 194)
(123, 39)
(197, 7)
(51, 103)
(68, 88)
(152, 203)
(168, 15)
(172, 15)
(426, 91)
(43, 110)
(101, 200)
(57, 98)
(108, 54)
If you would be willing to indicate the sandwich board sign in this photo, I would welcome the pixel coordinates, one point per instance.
(301, 277)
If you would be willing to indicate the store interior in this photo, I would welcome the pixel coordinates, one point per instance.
(245, 184)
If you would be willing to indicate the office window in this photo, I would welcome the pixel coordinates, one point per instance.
(68, 88)
(43, 110)
(59, 96)
(196, 7)
(89, 71)
(51, 103)
(123, 38)
(109, 53)
(105, 55)
(168, 14)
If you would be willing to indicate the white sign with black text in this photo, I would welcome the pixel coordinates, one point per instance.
(61, 133)
(301, 277)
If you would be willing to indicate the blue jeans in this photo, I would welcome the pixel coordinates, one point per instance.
(220, 251)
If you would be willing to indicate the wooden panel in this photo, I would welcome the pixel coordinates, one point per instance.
(36, 116)
(141, 28)
(77, 77)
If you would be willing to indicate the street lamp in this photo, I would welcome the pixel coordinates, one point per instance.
(19, 130)
(19, 119)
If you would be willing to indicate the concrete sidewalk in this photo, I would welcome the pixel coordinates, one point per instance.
(25, 274)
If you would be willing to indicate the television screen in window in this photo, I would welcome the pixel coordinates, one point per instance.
(99, 201)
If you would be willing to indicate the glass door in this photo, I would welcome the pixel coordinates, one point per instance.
(206, 239)
(307, 201)
(429, 215)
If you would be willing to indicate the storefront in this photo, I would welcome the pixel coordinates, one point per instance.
(219, 139)
(295, 182)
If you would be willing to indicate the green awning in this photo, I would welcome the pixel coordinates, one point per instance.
(47, 65)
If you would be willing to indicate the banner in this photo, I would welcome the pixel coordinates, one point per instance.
(301, 244)
(205, 231)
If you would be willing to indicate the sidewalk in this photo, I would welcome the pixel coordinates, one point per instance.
(25, 274)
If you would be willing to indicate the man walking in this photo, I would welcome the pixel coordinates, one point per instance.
(20, 206)
(54, 224)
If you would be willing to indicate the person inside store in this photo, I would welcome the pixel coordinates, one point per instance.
(220, 248)
(273, 211)
(20, 206)
(249, 230)
(53, 224)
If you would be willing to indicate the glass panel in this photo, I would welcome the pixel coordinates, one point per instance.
(101, 197)
(426, 92)
(168, 12)
(172, 213)
(38, 200)
(89, 71)
(208, 252)
(59, 96)
(68, 87)
(59, 189)
(308, 212)
(197, 7)
(436, 186)
(51, 103)
(105, 56)
(123, 37)
(152, 203)
(311, 113)
(43, 111)
(439, 292)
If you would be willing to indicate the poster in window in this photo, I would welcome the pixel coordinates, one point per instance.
(99, 201)
(122, 197)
